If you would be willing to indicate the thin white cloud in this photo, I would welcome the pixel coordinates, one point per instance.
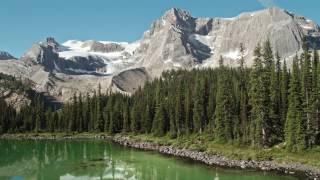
(267, 3)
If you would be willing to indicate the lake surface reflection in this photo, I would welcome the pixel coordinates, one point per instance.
(97, 160)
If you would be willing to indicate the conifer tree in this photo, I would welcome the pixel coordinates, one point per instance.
(158, 126)
(38, 114)
(50, 120)
(189, 112)
(198, 111)
(126, 118)
(115, 117)
(223, 112)
(315, 100)
(135, 119)
(293, 130)
(306, 75)
(284, 90)
(275, 95)
(74, 116)
(268, 88)
(99, 124)
(87, 113)
(80, 114)
(160, 117)
(242, 129)
(256, 99)
(180, 110)
(93, 112)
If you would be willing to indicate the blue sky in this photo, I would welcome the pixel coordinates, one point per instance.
(24, 22)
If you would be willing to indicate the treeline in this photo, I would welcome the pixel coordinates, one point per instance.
(261, 106)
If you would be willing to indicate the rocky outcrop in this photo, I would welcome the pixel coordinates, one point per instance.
(130, 80)
(50, 41)
(106, 48)
(17, 101)
(81, 65)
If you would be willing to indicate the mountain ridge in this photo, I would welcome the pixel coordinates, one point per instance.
(176, 40)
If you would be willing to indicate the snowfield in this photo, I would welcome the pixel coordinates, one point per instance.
(115, 61)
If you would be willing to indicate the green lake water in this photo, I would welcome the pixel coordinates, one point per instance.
(82, 160)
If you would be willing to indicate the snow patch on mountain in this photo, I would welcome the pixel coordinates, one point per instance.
(232, 54)
(307, 27)
(204, 39)
(82, 48)
(115, 61)
(168, 61)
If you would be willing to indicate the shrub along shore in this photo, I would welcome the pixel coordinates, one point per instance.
(201, 149)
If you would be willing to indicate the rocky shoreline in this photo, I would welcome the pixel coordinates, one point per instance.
(299, 170)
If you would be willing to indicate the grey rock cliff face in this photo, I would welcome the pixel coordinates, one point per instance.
(81, 65)
(130, 80)
(43, 54)
(178, 40)
(165, 45)
(275, 24)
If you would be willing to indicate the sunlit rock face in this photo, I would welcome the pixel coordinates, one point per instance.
(178, 40)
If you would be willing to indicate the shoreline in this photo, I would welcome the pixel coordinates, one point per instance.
(293, 169)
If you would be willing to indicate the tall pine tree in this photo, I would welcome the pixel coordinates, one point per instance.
(294, 137)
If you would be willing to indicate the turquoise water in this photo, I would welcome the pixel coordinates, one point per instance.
(96, 160)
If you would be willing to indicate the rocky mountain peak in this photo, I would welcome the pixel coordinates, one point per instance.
(52, 42)
(43, 53)
(5, 55)
(178, 18)
(276, 10)
(176, 13)
(272, 14)
(278, 13)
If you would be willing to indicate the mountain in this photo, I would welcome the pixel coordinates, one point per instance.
(5, 56)
(176, 40)
(179, 40)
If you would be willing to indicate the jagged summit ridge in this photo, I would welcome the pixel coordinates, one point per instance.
(178, 18)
